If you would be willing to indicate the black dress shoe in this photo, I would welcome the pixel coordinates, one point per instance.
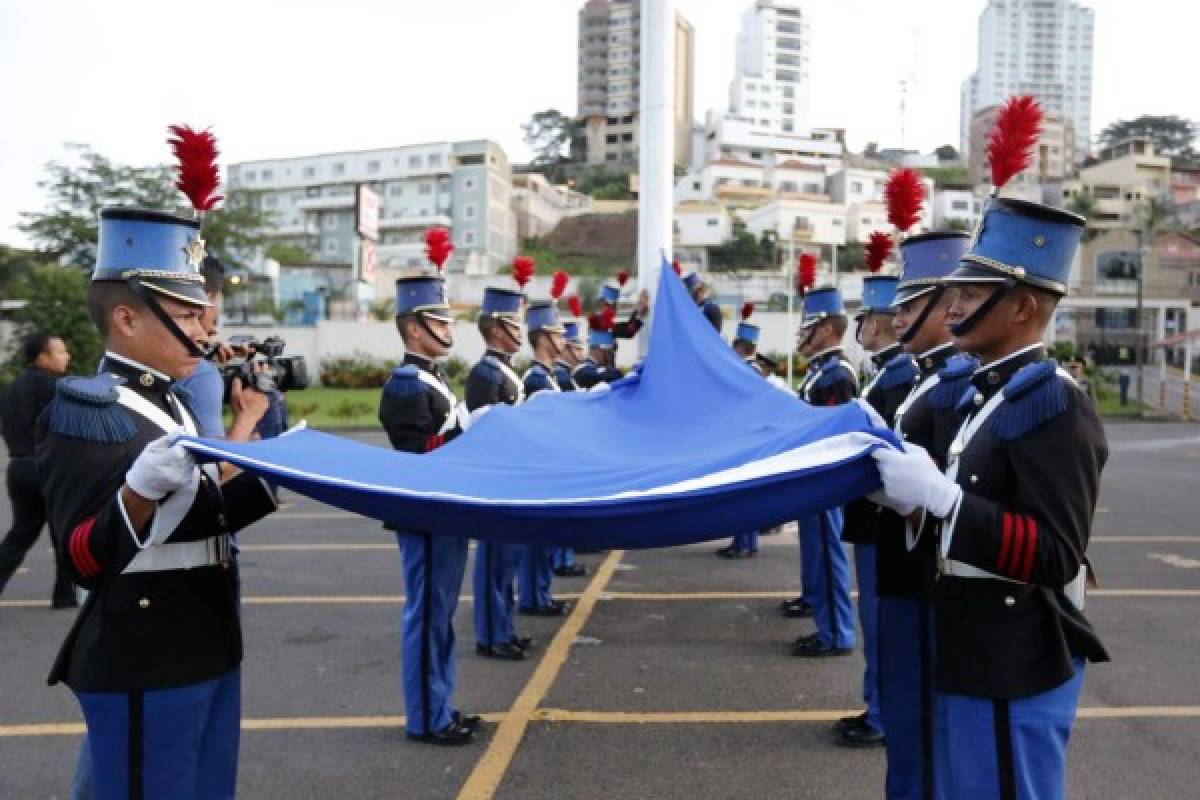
(796, 608)
(555, 609)
(64, 602)
(862, 735)
(734, 552)
(452, 735)
(471, 722)
(573, 571)
(849, 722)
(524, 642)
(811, 646)
(509, 651)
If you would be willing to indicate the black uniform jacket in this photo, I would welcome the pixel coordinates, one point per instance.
(830, 380)
(1030, 475)
(417, 409)
(589, 374)
(145, 625)
(866, 522)
(906, 566)
(492, 381)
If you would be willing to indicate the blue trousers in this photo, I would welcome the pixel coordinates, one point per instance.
(564, 557)
(433, 573)
(868, 618)
(906, 695)
(180, 743)
(534, 575)
(494, 574)
(832, 610)
(810, 552)
(988, 749)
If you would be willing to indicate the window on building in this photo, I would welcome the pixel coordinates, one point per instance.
(611, 156)
(373, 166)
(312, 191)
(788, 126)
(611, 138)
(268, 174)
(468, 211)
(396, 190)
(959, 205)
(712, 222)
(435, 159)
(250, 176)
(269, 201)
(469, 237)
(787, 186)
(339, 168)
(310, 172)
(856, 187)
(425, 188)
(468, 184)
(331, 222)
(756, 155)
(1117, 265)
(331, 247)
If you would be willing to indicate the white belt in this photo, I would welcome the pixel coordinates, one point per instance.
(1075, 591)
(181, 555)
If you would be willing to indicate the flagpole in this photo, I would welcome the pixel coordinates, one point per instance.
(656, 146)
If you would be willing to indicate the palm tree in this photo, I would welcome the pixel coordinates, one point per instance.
(1084, 204)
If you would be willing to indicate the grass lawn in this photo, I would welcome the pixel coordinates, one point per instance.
(335, 408)
(1110, 406)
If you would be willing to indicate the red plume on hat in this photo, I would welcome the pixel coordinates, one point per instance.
(576, 305)
(806, 273)
(558, 283)
(879, 247)
(904, 193)
(1013, 137)
(522, 270)
(675, 265)
(607, 317)
(438, 246)
(622, 277)
(747, 310)
(196, 152)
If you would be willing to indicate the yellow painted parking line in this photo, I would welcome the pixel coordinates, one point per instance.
(249, 724)
(1140, 712)
(1143, 593)
(1144, 539)
(698, 595)
(692, 717)
(323, 546)
(485, 778)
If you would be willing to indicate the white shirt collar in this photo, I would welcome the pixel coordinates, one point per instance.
(1011, 356)
(933, 350)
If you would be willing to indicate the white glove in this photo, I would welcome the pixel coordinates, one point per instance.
(872, 414)
(162, 468)
(911, 480)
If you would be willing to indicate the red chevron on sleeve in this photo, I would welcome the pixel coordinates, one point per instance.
(1018, 542)
(78, 547)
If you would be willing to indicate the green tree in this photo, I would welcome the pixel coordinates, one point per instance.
(852, 256)
(288, 254)
(547, 134)
(1084, 204)
(1173, 135)
(56, 303)
(65, 230)
(947, 152)
(15, 267)
(743, 251)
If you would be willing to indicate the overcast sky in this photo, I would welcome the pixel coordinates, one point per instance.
(277, 78)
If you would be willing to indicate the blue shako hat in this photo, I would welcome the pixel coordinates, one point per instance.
(692, 280)
(543, 316)
(747, 332)
(1021, 241)
(423, 294)
(878, 292)
(571, 331)
(158, 251)
(825, 301)
(604, 339)
(501, 304)
(610, 293)
(926, 259)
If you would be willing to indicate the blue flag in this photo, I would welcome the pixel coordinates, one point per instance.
(693, 446)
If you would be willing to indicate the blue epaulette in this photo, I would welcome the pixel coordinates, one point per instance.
(953, 381)
(488, 370)
(833, 372)
(1033, 396)
(900, 370)
(966, 403)
(404, 381)
(88, 409)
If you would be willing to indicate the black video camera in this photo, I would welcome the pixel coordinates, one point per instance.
(262, 366)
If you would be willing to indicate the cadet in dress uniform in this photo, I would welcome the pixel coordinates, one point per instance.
(563, 558)
(894, 378)
(1016, 505)
(492, 382)
(906, 564)
(699, 291)
(830, 381)
(154, 655)
(599, 366)
(535, 572)
(745, 344)
(609, 299)
(420, 413)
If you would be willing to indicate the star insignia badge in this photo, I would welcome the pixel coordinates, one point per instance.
(195, 252)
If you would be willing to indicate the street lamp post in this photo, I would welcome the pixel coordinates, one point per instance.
(1139, 342)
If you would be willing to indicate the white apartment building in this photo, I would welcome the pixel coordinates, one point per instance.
(463, 186)
(540, 205)
(1038, 47)
(860, 190)
(799, 222)
(699, 226)
(956, 209)
(771, 85)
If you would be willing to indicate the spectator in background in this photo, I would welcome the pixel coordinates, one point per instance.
(204, 387)
(1123, 383)
(46, 359)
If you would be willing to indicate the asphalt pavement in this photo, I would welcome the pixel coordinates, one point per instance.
(671, 678)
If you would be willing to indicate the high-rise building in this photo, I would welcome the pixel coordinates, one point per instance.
(771, 82)
(609, 83)
(1052, 157)
(1038, 47)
